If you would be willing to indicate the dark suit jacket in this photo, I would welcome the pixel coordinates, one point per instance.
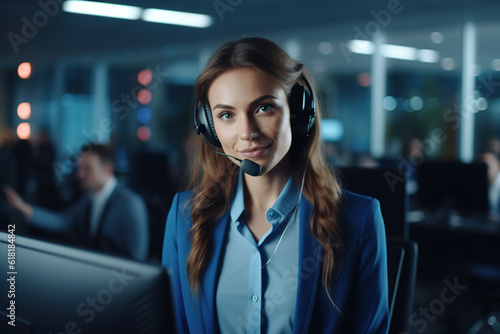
(360, 291)
(123, 226)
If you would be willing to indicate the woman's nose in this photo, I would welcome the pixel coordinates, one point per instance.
(248, 128)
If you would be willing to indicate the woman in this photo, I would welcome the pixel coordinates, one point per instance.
(274, 246)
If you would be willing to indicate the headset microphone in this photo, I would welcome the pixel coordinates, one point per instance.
(247, 166)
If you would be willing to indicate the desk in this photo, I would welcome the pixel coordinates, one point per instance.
(457, 239)
(448, 249)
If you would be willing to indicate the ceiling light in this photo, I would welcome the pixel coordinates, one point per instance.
(102, 9)
(177, 18)
(398, 52)
(394, 51)
(428, 56)
(361, 46)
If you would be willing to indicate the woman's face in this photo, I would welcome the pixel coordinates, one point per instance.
(251, 116)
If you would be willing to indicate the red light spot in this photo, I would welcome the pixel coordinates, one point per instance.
(144, 96)
(143, 133)
(364, 79)
(144, 77)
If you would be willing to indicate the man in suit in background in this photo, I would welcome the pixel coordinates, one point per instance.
(109, 217)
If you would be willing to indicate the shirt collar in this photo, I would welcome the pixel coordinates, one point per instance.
(106, 190)
(279, 211)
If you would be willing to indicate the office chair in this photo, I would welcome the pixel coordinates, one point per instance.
(402, 258)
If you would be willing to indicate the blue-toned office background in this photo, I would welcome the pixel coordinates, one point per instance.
(387, 71)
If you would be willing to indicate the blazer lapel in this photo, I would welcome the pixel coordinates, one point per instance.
(309, 270)
(208, 305)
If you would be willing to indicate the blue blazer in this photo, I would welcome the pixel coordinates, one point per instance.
(360, 290)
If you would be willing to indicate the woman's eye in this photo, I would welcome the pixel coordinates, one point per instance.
(225, 115)
(264, 108)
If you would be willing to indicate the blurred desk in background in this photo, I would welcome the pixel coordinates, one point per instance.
(458, 239)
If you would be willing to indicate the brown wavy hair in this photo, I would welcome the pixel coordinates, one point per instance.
(213, 176)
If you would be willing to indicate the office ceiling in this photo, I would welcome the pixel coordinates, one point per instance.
(66, 35)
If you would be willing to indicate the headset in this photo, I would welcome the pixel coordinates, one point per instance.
(302, 115)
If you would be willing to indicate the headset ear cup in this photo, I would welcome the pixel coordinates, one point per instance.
(302, 111)
(309, 112)
(211, 126)
(205, 125)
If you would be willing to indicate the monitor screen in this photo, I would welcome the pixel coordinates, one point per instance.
(453, 185)
(388, 187)
(332, 130)
(59, 289)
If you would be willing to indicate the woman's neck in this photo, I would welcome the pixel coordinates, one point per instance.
(261, 192)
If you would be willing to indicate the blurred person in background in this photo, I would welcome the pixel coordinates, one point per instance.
(490, 158)
(493, 145)
(109, 217)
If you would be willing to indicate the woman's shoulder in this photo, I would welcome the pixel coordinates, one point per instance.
(354, 201)
(180, 206)
(182, 197)
(357, 210)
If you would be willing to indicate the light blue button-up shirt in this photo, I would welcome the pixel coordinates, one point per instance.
(251, 298)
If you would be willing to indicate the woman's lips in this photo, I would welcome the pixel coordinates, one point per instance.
(254, 152)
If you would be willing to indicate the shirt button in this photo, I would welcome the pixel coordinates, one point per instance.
(255, 299)
(271, 214)
(255, 251)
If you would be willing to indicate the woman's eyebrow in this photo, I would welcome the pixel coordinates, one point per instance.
(253, 103)
(262, 98)
(222, 106)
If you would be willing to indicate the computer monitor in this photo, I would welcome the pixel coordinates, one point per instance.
(454, 185)
(59, 289)
(386, 185)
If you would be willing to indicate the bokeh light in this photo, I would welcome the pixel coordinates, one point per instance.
(144, 115)
(24, 70)
(416, 103)
(144, 133)
(24, 131)
(325, 48)
(24, 110)
(144, 96)
(448, 64)
(390, 103)
(364, 79)
(144, 77)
